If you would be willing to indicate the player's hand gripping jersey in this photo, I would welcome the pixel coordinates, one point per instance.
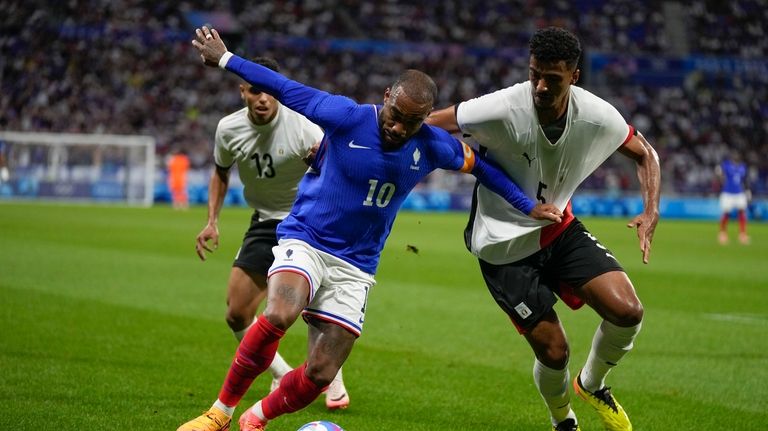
(347, 202)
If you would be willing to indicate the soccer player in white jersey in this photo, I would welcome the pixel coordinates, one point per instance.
(272, 146)
(549, 135)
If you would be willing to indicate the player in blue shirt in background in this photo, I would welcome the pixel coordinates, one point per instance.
(370, 158)
(734, 194)
(5, 175)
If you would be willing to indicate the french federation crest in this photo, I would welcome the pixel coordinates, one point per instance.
(416, 158)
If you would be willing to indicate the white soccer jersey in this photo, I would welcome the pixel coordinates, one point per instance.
(505, 122)
(269, 157)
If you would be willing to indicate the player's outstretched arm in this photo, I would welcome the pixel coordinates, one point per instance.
(649, 174)
(318, 106)
(445, 119)
(496, 180)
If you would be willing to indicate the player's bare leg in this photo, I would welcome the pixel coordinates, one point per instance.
(246, 290)
(722, 235)
(329, 347)
(613, 297)
(550, 370)
(288, 294)
(743, 237)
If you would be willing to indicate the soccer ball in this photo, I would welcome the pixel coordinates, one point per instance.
(320, 426)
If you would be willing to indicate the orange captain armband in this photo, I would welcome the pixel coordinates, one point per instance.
(469, 158)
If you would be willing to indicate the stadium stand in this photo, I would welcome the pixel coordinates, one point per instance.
(692, 77)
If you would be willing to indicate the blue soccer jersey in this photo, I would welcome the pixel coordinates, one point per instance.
(347, 202)
(734, 176)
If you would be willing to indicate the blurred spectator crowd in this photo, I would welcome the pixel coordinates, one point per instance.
(127, 67)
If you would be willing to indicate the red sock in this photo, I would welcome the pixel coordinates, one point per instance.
(742, 221)
(255, 353)
(723, 222)
(296, 391)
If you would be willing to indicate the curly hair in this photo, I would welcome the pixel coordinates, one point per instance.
(268, 62)
(553, 44)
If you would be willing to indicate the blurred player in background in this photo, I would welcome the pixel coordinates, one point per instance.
(272, 147)
(370, 159)
(178, 171)
(550, 135)
(734, 195)
(5, 174)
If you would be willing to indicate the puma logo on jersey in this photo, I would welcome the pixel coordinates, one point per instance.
(353, 145)
(530, 160)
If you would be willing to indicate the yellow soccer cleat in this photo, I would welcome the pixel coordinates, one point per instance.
(610, 411)
(212, 420)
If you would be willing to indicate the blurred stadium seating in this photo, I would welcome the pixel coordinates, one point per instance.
(693, 76)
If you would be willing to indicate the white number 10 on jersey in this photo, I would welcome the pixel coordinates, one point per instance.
(382, 197)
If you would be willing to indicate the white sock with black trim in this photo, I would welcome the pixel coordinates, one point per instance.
(609, 345)
(553, 387)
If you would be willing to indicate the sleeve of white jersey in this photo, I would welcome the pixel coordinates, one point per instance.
(615, 129)
(222, 156)
(485, 118)
(311, 135)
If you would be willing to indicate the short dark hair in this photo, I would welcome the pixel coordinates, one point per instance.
(553, 44)
(268, 62)
(417, 85)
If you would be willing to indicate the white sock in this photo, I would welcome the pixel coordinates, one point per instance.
(609, 345)
(279, 367)
(553, 387)
(339, 378)
(257, 410)
(241, 333)
(225, 408)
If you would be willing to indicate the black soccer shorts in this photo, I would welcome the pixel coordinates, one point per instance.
(527, 289)
(255, 255)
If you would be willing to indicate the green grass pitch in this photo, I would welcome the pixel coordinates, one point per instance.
(110, 322)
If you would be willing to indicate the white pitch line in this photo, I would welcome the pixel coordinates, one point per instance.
(750, 319)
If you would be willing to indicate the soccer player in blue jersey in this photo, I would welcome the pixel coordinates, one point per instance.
(370, 158)
(734, 195)
(4, 174)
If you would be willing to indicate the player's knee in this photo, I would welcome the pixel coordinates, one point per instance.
(630, 315)
(237, 319)
(281, 319)
(555, 356)
(321, 374)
